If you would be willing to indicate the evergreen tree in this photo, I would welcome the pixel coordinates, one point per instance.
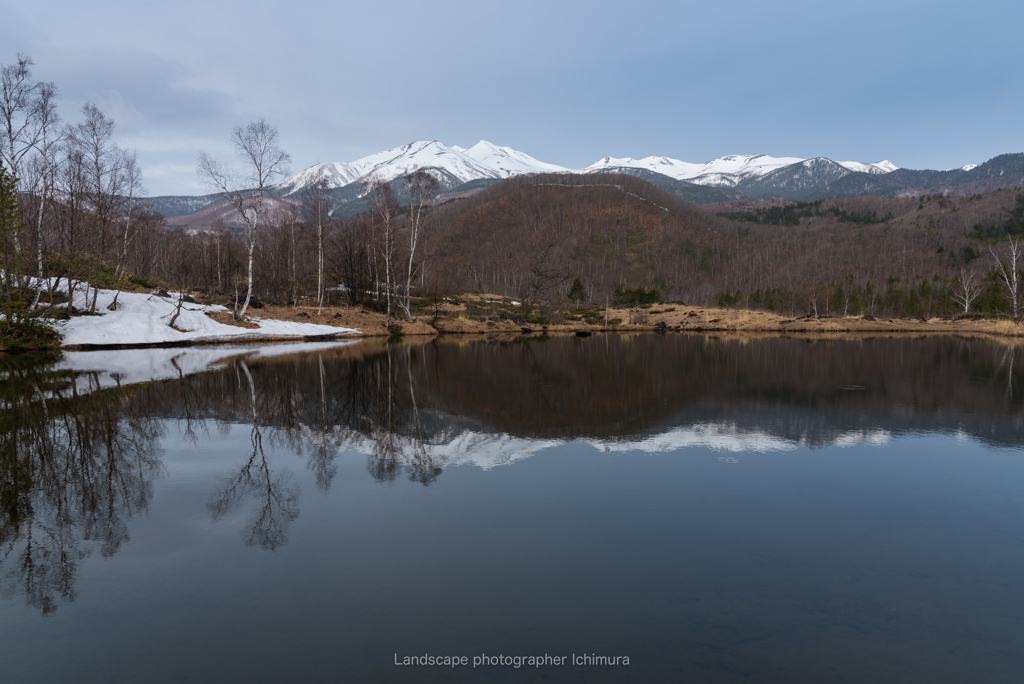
(10, 223)
(576, 292)
(19, 327)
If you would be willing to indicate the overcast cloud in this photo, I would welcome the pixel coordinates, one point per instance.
(924, 84)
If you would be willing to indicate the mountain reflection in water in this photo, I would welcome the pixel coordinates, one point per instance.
(79, 456)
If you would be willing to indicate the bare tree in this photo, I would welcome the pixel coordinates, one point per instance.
(1009, 274)
(132, 189)
(180, 262)
(292, 217)
(966, 290)
(422, 187)
(102, 167)
(316, 207)
(257, 146)
(42, 167)
(384, 207)
(70, 213)
(27, 115)
(546, 270)
(17, 107)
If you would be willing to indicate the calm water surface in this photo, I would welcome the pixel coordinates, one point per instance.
(712, 509)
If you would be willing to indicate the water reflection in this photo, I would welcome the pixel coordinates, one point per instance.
(275, 504)
(79, 451)
(76, 466)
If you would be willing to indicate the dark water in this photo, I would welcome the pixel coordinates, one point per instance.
(714, 510)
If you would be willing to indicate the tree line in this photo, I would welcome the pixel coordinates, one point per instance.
(73, 208)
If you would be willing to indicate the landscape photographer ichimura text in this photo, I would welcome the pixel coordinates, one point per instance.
(516, 661)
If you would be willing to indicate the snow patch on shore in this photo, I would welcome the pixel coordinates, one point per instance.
(144, 319)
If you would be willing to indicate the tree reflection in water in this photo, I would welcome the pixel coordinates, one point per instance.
(76, 466)
(276, 504)
(77, 462)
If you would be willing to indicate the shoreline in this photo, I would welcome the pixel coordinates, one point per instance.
(141, 321)
(708, 321)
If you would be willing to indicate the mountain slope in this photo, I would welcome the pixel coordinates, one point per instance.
(796, 180)
(1004, 171)
(691, 192)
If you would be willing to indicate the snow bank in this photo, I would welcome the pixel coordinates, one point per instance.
(144, 319)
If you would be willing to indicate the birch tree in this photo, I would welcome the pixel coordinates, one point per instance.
(316, 207)
(92, 145)
(42, 167)
(421, 187)
(966, 290)
(26, 115)
(256, 146)
(132, 189)
(1009, 274)
(384, 209)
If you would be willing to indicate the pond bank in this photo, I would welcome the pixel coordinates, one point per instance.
(454, 319)
(141, 320)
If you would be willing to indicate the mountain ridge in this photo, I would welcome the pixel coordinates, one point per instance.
(460, 170)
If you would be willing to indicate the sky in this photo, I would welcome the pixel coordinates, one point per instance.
(925, 84)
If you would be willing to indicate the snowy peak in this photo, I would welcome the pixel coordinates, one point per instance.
(508, 162)
(747, 165)
(453, 164)
(431, 154)
(884, 166)
(672, 168)
(334, 174)
(725, 171)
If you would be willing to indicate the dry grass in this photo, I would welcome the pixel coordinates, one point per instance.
(226, 318)
(683, 318)
(369, 323)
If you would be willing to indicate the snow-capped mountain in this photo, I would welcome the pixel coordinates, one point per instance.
(724, 171)
(884, 166)
(450, 165)
(461, 171)
(507, 162)
(453, 165)
(336, 175)
(729, 171)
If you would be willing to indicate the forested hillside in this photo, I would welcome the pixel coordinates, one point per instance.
(533, 236)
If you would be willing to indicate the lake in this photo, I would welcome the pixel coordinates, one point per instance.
(620, 508)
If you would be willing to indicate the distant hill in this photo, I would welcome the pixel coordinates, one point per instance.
(226, 214)
(535, 233)
(181, 205)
